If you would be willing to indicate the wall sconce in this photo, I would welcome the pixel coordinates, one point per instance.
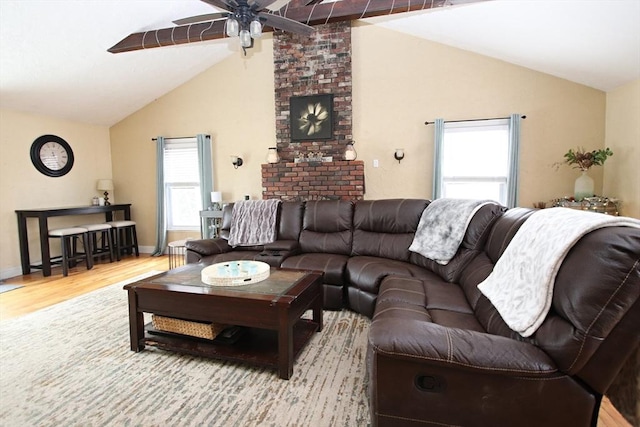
(236, 161)
(350, 152)
(105, 185)
(272, 155)
(399, 154)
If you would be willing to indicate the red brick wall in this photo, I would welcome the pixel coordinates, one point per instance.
(320, 64)
(313, 181)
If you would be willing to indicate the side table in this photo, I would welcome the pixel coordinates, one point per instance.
(210, 222)
(176, 253)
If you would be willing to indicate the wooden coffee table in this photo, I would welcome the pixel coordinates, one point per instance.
(270, 309)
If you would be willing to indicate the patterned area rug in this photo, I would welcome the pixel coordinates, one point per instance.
(70, 365)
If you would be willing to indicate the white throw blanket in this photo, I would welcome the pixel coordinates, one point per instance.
(521, 284)
(442, 227)
(253, 222)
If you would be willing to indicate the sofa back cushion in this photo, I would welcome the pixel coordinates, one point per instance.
(478, 269)
(385, 228)
(474, 240)
(596, 297)
(327, 227)
(592, 324)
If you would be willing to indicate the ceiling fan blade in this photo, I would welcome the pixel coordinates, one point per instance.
(201, 18)
(282, 23)
(193, 33)
(227, 5)
(260, 4)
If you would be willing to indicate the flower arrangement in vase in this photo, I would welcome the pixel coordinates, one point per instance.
(584, 160)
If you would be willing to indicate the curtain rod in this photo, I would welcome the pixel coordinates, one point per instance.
(181, 137)
(473, 120)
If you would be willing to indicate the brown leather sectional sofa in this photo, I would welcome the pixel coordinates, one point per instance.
(439, 353)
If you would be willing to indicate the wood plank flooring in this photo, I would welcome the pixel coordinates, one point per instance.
(39, 292)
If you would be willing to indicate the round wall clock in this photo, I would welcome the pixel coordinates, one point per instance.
(52, 155)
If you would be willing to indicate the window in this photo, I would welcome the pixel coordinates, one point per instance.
(182, 184)
(476, 160)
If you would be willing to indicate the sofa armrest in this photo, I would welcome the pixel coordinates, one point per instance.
(457, 348)
(208, 247)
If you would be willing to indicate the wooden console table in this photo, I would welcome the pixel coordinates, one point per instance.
(43, 216)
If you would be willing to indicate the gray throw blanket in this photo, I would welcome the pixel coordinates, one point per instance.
(442, 227)
(253, 222)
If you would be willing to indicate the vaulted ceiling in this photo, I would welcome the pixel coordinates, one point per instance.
(54, 59)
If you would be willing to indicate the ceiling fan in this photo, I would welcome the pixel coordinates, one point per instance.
(245, 19)
(242, 17)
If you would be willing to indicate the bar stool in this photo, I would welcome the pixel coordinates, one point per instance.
(68, 238)
(124, 237)
(106, 239)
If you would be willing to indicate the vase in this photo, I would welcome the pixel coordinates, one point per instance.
(583, 187)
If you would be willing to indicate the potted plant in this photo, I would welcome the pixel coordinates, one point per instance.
(584, 160)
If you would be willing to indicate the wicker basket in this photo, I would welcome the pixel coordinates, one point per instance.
(186, 327)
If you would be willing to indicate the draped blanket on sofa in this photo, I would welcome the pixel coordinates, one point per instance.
(521, 283)
(253, 222)
(442, 227)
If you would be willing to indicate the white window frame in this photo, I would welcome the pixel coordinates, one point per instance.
(191, 145)
(507, 190)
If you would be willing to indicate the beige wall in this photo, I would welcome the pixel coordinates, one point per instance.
(621, 172)
(23, 187)
(234, 102)
(400, 82)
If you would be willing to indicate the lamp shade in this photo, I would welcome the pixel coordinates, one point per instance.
(105, 185)
(216, 197)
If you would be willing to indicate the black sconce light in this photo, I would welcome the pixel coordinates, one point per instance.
(399, 154)
(237, 161)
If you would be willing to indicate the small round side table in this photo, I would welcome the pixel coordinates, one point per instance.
(177, 253)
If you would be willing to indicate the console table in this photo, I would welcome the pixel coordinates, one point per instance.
(43, 215)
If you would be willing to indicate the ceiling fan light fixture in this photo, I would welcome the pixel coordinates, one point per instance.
(245, 38)
(232, 27)
(255, 28)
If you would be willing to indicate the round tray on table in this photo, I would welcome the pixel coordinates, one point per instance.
(235, 273)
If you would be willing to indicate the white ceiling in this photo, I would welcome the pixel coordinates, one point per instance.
(54, 59)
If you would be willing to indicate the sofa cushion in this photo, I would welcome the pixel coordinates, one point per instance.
(428, 300)
(474, 241)
(385, 228)
(366, 273)
(333, 265)
(327, 227)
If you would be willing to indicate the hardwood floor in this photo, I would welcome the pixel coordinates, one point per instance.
(39, 292)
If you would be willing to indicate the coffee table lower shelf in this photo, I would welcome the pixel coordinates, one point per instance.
(256, 346)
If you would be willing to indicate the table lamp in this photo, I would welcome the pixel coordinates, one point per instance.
(105, 185)
(216, 198)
